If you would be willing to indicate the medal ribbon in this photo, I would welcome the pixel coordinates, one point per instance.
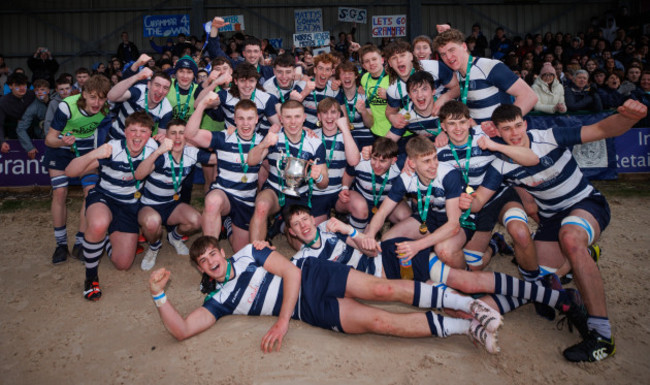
(310, 244)
(465, 88)
(464, 218)
(375, 198)
(313, 94)
(182, 110)
(175, 182)
(399, 89)
(352, 111)
(128, 156)
(244, 165)
(424, 210)
(328, 159)
(374, 91)
(207, 298)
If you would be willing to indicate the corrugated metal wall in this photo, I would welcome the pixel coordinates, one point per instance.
(68, 28)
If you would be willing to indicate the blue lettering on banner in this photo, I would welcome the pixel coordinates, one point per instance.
(633, 151)
(308, 20)
(165, 25)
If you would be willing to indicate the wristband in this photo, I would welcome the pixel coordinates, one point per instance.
(320, 178)
(353, 233)
(345, 188)
(159, 299)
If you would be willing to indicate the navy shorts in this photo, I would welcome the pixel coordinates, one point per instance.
(433, 224)
(165, 210)
(323, 204)
(240, 213)
(390, 261)
(323, 283)
(595, 204)
(59, 158)
(125, 216)
(488, 217)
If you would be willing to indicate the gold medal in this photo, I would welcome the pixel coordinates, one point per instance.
(319, 124)
(374, 210)
(423, 228)
(176, 197)
(244, 179)
(351, 127)
(137, 195)
(407, 116)
(469, 190)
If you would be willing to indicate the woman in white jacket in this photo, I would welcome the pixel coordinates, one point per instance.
(549, 91)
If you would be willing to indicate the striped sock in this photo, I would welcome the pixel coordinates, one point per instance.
(506, 303)
(61, 236)
(109, 247)
(511, 286)
(176, 235)
(156, 245)
(78, 238)
(441, 326)
(427, 296)
(357, 223)
(92, 254)
(530, 275)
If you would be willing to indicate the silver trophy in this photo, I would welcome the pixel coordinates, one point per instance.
(294, 173)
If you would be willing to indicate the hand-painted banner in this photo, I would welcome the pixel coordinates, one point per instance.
(315, 39)
(308, 20)
(165, 25)
(353, 15)
(388, 26)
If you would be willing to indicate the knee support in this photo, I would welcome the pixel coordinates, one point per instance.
(59, 181)
(580, 222)
(89, 180)
(514, 214)
(438, 271)
(473, 258)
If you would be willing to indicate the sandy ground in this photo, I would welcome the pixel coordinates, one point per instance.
(50, 335)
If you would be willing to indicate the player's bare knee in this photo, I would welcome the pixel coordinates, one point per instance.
(573, 243)
(383, 291)
(520, 234)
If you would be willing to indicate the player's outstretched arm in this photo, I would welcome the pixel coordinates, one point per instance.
(521, 155)
(147, 166)
(198, 320)
(83, 164)
(278, 265)
(628, 115)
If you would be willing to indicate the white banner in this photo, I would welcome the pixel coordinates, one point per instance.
(308, 20)
(389, 26)
(353, 15)
(315, 39)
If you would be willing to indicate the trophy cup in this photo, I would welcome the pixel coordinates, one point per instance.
(294, 173)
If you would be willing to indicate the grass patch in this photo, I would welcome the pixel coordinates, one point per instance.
(623, 188)
(13, 205)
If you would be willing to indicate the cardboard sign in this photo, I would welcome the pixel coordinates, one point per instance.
(389, 26)
(353, 15)
(308, 20)
(315, 39)
(165, 25)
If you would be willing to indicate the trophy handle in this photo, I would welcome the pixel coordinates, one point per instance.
(310, 163)
(280, 160)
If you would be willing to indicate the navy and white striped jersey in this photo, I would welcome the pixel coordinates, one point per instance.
(488, 82)
(230, 168)
(361, 133)
(479, 162)
(312, 149)
(337, 162)
(311, 105)
(159, 186)
(161, 114)
(253, 290)
(417, 124)
(265, 107)
(363, 181)
(447, 184)
(333, 248)
(556, 182)
(271, 87)
(115, 176)
(441, 75)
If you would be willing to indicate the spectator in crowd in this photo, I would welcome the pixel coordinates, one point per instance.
(608, 92)
(169, 45)
(500, 45)
(81, 75)
(116, 67)
(598, 77)
(63, 90)
(642, 94)
(127, 51)
(13, 106)
(4, 73)
(580, 95)
(549, 91)
(481, 41)
(30, 126)
(43, 65)
(423, 47)
(631, 82)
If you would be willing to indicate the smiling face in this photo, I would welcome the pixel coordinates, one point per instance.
(348, 80)
(426, 166)
(422, 50)
(292, 120)
(645, 82)
(457, 129)
(381, 165)
(246, 122)
(633, 74)
(177, 134)
(158, 89)
(63, 90)
(422, 96)
(213, 263)
(184, 77)
(322, 73)
(136, 137)
(514, 132)
(455, 56)
(252, 54)
(402, 63)
(580, 80)
(303, 227)
(328, 118)
(373, 63)
(284, 76)
(246, 87)
(94, 102)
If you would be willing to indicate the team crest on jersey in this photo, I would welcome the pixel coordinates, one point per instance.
(546, 161)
